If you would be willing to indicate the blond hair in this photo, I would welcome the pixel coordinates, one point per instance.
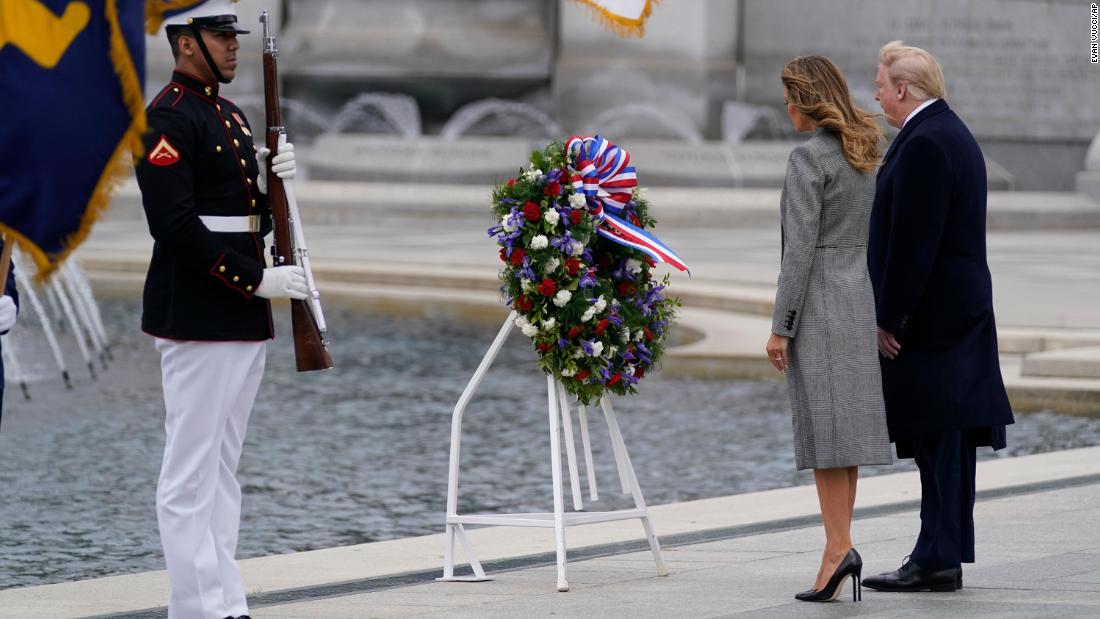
(915, 67)
(818, 90)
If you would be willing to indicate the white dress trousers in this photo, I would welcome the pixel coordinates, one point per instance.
(209, 388)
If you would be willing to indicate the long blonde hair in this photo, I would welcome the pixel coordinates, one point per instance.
(816, 88)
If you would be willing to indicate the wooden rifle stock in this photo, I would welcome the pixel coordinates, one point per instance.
(309, 344)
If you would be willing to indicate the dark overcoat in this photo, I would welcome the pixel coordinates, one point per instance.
(927, 260)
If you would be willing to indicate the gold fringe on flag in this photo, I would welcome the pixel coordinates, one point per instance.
(119, 165)
(155, 10)
(625, 27)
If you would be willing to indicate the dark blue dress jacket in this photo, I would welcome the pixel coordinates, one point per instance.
(927, 260)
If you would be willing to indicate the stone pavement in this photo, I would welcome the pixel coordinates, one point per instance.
(1038, 556)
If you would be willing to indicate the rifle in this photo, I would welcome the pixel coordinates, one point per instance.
(307, 319)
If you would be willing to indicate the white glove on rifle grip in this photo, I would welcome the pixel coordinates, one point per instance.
(286, 282)
(282, 164)
(8, 313)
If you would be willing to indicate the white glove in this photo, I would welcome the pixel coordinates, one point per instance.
(282, 164)
(7, 313)
(288, 282)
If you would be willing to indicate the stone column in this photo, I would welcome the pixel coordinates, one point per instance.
(682, 70)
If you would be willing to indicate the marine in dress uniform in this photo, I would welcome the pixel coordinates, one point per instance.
(9, 311)
(206, 303)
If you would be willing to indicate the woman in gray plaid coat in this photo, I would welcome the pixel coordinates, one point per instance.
(823, 329)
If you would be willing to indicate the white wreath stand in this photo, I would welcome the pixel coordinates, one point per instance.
(559, 519)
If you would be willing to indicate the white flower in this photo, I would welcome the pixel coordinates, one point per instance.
(540, 242)
(533, 175)
(529, 330)
(634, 266)
(628, 369)
(552, 216)
(551, 265)
(611, 350)
(576, 249)
(507, 224)
(567, 372)
(577, 200)
(562, 297)
(600, 304)
(588, 314)
(549, 324)
(521, 321)
(624, 334)
(639, 335)
(578, 352)
(526, 285)
(597, 349)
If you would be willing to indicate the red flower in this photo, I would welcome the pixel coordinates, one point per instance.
(651, 262)
(503, 256)
(648, 334)
(572, 265)
(626, 288)
(583, 374)
(553, 189)
(634, 220)
(517, 257)
(523, 304)
(511, 183)
(601, 327)
(639, 372)
(532, 211)
(576, 216)
(574, 332)
(548, 287)
(614, 379)
(544, 346)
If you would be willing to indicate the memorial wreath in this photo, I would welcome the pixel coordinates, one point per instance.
(578, 266)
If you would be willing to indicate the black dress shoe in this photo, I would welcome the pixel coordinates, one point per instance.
(959, 579)
(851, 565)
(912, 577)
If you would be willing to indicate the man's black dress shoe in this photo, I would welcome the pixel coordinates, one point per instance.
(912, 577)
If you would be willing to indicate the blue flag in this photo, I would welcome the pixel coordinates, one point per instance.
(71, 82)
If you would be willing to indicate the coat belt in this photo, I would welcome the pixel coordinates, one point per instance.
(242, 223)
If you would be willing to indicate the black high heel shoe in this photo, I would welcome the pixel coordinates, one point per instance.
(851, 565)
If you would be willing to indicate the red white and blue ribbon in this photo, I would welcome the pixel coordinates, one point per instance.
(603, 174)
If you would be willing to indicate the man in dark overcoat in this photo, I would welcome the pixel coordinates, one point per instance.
(934, 302)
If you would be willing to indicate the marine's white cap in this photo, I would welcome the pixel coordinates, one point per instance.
(212, 15)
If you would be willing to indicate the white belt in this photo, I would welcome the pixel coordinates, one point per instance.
(243, 223)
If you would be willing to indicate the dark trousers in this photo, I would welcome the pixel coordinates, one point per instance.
(946, 461)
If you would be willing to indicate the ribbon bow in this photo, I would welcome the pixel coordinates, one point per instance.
(603, 174)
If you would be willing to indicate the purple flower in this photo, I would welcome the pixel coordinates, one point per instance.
(562, 343)
(563, 243)
(586, 345)
(588, 280)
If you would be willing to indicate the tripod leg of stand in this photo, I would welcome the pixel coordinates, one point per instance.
(635, 489)
(570, 448)
(555, 470)
(456, 530)
(586, 443)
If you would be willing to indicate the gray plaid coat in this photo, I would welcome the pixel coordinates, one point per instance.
(825, 304)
